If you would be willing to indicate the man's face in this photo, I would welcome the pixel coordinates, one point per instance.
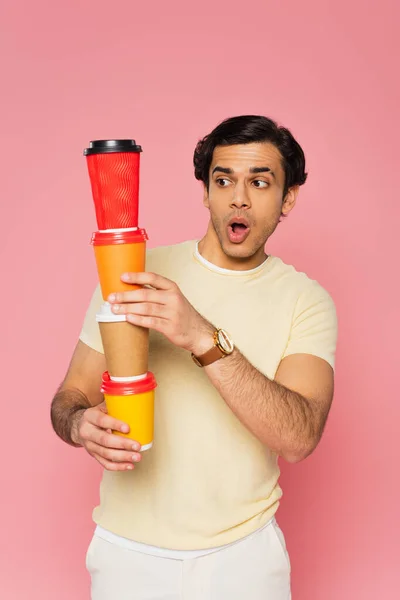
(245, 196)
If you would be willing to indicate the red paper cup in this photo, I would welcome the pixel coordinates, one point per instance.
(114, 167)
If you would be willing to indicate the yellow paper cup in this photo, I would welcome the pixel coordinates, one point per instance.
(133, 403)
(117, 252)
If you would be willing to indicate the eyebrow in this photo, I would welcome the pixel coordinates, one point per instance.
(253, 170)
(262, 170)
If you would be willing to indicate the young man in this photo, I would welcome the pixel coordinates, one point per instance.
(193, 518)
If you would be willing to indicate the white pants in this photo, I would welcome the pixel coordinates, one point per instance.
(255, 568)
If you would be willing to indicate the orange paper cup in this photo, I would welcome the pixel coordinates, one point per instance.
(118, 252)
(133, 403)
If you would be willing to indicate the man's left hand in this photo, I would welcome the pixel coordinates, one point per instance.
(164, 308)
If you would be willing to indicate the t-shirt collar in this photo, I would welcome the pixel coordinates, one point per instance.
(223, 271)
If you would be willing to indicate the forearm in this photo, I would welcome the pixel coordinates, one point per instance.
(280, 418)
(67, 408)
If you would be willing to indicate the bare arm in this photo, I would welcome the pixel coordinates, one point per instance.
(79, 416)
(288, 414)
(79, 390)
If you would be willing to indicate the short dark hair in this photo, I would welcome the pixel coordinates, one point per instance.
(247, 129)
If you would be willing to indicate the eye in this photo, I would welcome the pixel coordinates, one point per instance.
(260, 183)
(222, 182)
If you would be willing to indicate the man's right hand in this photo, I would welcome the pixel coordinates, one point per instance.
(92, 429)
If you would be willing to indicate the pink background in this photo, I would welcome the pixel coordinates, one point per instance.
(166, 75)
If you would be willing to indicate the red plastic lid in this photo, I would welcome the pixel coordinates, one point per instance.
(123, 388)
(108, 238)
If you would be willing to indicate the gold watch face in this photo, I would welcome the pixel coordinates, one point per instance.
(225, 342)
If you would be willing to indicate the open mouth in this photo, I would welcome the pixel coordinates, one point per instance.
(238, 230)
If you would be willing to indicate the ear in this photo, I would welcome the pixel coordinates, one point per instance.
(206, 201)
(290, 199)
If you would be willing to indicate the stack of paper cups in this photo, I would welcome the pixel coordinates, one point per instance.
(120, 247)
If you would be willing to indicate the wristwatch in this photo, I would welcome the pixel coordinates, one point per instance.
(223, 346)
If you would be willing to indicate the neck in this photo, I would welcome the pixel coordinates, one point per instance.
(211, 249)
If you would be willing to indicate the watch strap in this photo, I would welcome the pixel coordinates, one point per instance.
(215, 353)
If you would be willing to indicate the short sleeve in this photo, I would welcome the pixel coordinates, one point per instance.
(314, 327)
(90, 332)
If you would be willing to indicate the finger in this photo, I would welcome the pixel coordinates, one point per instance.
(156, 281)
(142, 308)
(111, 466)
(140, 295)
(104, 421)
(112, 455)
(156, 323)
(111, 440)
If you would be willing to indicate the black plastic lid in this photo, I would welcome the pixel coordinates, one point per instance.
(108, 146)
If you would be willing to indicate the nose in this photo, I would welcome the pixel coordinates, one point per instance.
(240, 198)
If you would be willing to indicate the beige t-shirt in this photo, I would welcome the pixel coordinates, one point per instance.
(208, 481)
